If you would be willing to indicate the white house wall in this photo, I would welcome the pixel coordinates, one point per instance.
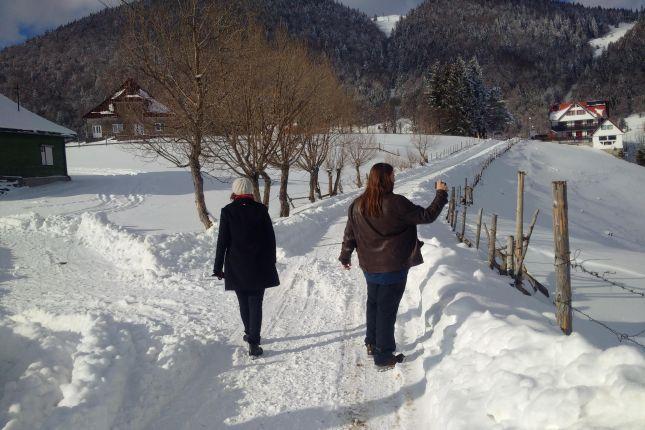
(615, 131)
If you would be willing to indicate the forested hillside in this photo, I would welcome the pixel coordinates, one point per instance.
(533, 49)
(65, 72)
(618, 75)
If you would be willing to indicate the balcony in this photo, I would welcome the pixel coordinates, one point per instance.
(560, 127)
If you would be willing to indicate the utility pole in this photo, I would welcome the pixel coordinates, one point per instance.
(18, 96)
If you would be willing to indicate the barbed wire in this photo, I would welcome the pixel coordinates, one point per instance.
(601, 276)
(622, 337)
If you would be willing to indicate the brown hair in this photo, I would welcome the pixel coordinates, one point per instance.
(379, 183)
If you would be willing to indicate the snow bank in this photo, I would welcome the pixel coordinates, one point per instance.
(90, 372)
(494, 358)
(93, 231)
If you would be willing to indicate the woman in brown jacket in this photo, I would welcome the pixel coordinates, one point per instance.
(382, 228)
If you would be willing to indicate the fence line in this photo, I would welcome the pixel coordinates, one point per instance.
(508, 259)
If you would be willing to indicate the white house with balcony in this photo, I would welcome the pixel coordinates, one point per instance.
(608, 136)
(576, 121)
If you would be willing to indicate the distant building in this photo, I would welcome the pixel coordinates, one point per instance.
(608, 136)
(113, 118)
(576, 121)
(32, 149)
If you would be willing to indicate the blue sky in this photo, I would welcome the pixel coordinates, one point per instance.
(21, 19)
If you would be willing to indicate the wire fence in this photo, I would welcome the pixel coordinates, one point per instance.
(604, 278)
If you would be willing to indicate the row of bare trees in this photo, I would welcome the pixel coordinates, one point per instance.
(240, 99)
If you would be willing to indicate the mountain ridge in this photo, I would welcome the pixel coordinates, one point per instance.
(64, 72)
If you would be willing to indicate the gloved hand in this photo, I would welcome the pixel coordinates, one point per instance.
(218, 275)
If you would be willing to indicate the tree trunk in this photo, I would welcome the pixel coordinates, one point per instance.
(284, 198)
(330, 178)
(337, 185)
(267, 188)
(318, 192)
(313, 184)
(255, 180)
(198, 184)
(359, 183)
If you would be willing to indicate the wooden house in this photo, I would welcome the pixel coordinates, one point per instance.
(576, 121)
(129, 113)
(32, 148)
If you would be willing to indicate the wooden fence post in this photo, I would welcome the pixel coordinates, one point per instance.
(519, 219)
(462, 233)
(510, 246)
(491, 241)
(451, 206)
(479, 227)
(562, 257)
(454, 219)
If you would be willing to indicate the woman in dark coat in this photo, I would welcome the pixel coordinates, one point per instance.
(246, 253)
(382, 228)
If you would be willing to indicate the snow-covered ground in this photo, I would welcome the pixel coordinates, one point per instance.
(600, 44)
(387, 23)
(107, 319)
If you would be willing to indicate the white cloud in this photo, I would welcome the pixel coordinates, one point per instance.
(19, 18)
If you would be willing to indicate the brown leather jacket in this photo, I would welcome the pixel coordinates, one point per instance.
(389, 243)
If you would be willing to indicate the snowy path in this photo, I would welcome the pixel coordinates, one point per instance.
(108, 328)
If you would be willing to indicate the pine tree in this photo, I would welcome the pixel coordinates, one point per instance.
(477, 98)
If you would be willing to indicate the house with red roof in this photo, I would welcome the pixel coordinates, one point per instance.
(129, 113)
(576, 120)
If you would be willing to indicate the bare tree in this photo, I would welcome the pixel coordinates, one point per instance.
(331, 110)
(361, 148)
(422, 143)
(180, 49)
(314, 153)
(335, 163)
(270, 106)
(249, 134)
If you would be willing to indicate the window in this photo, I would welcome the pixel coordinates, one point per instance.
(47, 155)
(159, 127)
(97, 131)
(611, 137)
(601, 138)
(607, 127)
(117, 128)
(138, 129)
(608, 142)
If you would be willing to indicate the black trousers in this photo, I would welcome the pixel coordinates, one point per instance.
(382, 307)
(251, 313)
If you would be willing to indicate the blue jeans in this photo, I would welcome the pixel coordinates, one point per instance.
(382, 307)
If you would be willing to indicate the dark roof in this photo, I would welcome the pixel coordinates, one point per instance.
(129, 92)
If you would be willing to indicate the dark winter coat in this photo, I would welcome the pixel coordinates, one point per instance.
(389, 243)
(246, 247)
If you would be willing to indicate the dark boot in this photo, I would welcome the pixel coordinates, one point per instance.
(390, 362)
(370, 349)
(255, 350)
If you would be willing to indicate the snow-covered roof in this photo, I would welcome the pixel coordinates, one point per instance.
(129, 92)
(25, 121)
(610, 122)
(596, 109)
